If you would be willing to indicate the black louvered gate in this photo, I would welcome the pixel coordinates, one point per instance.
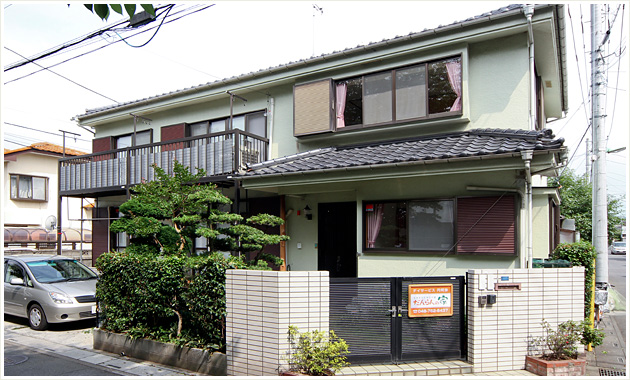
(370, 314)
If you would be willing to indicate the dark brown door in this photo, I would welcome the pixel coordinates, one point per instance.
(337, 235)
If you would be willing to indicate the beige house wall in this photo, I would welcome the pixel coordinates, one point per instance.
(34, 213)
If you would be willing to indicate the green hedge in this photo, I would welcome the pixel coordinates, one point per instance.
(580, 254)
(172, 299)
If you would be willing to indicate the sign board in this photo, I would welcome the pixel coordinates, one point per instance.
(430, 300)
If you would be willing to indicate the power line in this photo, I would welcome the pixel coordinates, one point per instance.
(13, 142)
(109, 43)
(66, 45)
(40, 130)
(154, 34)
(66, 78)
(619, 65)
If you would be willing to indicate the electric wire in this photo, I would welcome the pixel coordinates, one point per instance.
(612, 118)
(68, 44)
(41, 130)
(66, 78)
(13, 142)
(109, 44)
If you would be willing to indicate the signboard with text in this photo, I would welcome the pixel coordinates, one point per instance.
(430, 300)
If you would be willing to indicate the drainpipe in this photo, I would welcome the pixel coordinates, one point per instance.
(529, 12)
(527, 157)
(272, 105)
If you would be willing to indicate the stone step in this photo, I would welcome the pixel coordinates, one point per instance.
(437, 368)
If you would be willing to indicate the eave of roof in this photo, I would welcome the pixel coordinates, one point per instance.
(485, 17)
(473, 144)
(45, 147)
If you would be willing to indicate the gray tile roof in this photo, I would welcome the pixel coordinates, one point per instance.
(477, 142)
(358, 49)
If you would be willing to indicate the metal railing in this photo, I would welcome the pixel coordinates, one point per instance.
(218, 154)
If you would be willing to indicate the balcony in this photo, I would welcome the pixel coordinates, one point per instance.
(114, 171)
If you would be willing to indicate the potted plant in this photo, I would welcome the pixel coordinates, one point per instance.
(559, 349)
(315, 353)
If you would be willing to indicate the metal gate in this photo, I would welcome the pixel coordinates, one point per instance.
(371, 315)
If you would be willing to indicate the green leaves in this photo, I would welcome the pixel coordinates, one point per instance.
(582, 254)
(562, 343)
(577, 203)
(102, 10)
(316, 353)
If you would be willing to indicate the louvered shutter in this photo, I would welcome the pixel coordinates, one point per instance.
(486, 225)
(313, 108)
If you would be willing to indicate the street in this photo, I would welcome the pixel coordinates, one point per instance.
(66, 349)
(20, 360)
(618, 278)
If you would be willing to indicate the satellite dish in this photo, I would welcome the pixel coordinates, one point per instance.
(51, 223)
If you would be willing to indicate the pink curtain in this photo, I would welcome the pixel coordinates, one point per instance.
(374, 221)
(454, 69)
(341, 90)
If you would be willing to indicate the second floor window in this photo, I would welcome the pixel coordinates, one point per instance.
(402, 94)
(25, 187)
(255, 123)
(125, 141)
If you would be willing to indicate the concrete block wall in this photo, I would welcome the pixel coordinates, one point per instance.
(498, 334)
(260, 307)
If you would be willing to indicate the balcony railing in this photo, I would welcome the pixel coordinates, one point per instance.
(219, 154)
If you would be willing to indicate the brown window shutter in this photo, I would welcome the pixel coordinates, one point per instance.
(486, 225)
(102, 144)
(100, 233)
(173, 132)
(313, 108)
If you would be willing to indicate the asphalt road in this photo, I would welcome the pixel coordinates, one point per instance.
(617, 276)
(617, 273)
(20, 360)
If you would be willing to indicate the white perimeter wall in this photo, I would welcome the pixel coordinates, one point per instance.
(498, 334)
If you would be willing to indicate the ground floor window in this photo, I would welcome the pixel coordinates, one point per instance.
(467, 225)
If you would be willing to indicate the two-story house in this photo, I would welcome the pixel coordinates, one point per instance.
(425, 154)
(31, 201)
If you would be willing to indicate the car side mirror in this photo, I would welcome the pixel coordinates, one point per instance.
(17, 281)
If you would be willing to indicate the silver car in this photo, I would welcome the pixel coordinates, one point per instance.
(48, 289)
(618, 248)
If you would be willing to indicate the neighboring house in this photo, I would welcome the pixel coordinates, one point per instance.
(31, 199)
(420, 155)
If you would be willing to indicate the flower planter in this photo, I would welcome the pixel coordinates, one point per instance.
(542, 367)
(193, 359)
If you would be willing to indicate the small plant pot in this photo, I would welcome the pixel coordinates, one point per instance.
(542, 367)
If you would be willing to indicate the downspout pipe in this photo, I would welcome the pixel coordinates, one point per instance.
(527, 158)
(528, 10)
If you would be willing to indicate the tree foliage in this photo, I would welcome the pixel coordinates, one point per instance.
(164, 216)
(103, 10)
(171, 299)
(576, 194)
(581, 254)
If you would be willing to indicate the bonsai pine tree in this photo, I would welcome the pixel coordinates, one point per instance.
(165, 215)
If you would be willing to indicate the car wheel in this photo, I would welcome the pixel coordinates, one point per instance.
(37, 318)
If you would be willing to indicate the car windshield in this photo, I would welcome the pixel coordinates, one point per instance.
(620, 244)
(48, 271)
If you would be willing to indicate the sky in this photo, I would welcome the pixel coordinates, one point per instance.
(216, 40)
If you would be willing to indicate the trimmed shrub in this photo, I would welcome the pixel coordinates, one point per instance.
(582, 254)
(171, 299)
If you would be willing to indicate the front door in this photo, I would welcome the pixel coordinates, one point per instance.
(337, 238)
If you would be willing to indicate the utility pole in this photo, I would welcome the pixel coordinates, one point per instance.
(589, 160)
(600, 205)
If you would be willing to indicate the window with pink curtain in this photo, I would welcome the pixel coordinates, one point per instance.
(341, 90)
(454, 69)
(374, 219)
